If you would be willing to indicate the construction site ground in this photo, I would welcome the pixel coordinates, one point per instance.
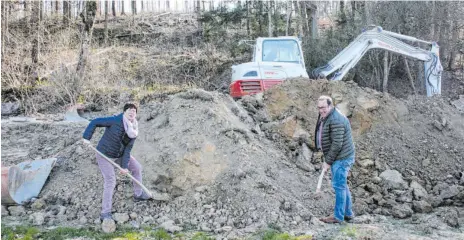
(235, 168)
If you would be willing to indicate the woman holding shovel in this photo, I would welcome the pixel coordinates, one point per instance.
(116, 143)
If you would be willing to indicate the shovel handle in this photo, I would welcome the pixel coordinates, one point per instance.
(319, 182)
(120, 168)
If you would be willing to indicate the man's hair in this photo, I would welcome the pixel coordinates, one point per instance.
(130, 105)
(325, 98)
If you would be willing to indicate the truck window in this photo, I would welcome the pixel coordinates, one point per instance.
(284, 50)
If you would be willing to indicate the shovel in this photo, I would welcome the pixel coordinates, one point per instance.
(319, 182)
(118, 167)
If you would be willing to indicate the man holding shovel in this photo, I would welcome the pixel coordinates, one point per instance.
(116, 143)
(334, 139)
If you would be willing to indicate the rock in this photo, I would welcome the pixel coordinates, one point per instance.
(38, 204)
(205, 228)
(404, 196)
(121, 218)
(366, 163)
(363, 219)
(38, 218)
(108, 226)
(163, 197)
(360, 207)
(201, 189)
(169, 226)
(418, 191)
(422, 206)
(450, 216)
(368, 104)
(373, 188)
(436, 201)
(376, 180)
(303, 161)
(393, 179)
(227, 228)
(450, 192)
(426, 162)
(134, 224)
(5, 211)
(83, 220)
(133, 216)
(344, 108)
(402, 211)
(9, 108)
(17, 210)
(287, 206)
(459, 104)
(438, 125)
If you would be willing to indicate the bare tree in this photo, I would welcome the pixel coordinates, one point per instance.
(106, 22)
(88, 17)
(248, 17)
(122, 8)
(408, 71)
(35, 23)
(134, 7)
(113, 7)
(66, 12)
(5, 17)
(289, 16)
(269, 18)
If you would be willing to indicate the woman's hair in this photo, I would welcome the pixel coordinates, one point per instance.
(130, 105)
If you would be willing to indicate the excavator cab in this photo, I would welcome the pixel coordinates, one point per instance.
(274, 60)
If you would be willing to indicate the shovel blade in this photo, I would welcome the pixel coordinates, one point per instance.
(24, 181)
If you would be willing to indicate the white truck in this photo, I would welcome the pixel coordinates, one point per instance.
(277, 59)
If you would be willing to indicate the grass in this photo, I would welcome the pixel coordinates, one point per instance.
(273, 234)
(30, 232)
(349, 231)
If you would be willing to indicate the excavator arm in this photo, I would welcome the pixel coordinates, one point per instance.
(381, 39)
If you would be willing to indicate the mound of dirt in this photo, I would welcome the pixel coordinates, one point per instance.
(249, 164)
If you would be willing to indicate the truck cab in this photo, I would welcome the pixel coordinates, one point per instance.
(274, 60)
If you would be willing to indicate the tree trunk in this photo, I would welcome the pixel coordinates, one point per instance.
(113, 7)
(385, 73)
(259, 17)
(88, 17)
(353, 11)
(299, 22)
(248, 17)
(134, 7)
(41, 10)
(27, 11)
(106, 23)
(408, 71)
(304, 19)
(198, 10)
(453, 48)
(5, 14)
(432, 22)
(122, 8)
(311, 12)
(342, 13)
(66, 9)
(57, 6)
(269, 18)
(35, 39)
(289, 16)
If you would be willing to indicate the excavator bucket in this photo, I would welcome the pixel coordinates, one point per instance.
(25, 180)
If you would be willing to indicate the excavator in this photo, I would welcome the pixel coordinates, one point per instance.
(279, 58)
